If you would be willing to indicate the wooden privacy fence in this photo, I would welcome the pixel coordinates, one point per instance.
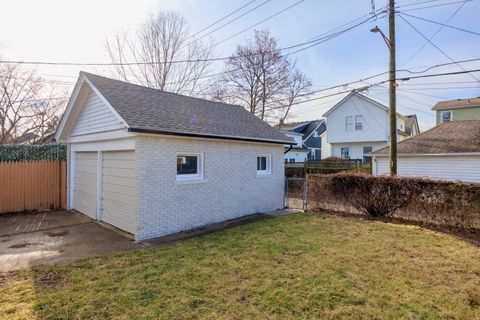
(32, 185)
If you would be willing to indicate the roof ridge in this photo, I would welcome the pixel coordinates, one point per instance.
(157, 90)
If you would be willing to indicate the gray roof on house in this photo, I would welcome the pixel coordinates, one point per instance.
(450, 137)
(150, 110)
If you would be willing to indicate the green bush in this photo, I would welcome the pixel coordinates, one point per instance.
(33, 152)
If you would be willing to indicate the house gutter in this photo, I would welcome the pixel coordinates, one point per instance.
(205, 136)
(289, 148)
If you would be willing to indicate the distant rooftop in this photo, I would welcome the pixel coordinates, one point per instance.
(458, 103)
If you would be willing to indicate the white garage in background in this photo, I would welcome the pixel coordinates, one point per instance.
(153, 163)
(450, 151)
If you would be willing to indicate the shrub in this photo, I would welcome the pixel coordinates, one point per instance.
(417, 199)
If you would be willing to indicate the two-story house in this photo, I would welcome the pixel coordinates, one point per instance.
(311, 141)
(358, 125)
(459, 109)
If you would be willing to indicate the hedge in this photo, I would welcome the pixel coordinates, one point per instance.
(33, 152)
(415, 199)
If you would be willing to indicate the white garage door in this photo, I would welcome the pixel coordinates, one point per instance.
(119, 196)
(85, 185)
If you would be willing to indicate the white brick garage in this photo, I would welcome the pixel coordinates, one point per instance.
(160, 163)
(231, 187)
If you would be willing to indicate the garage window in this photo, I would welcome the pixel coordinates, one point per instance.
(264, 165)
(189, 166)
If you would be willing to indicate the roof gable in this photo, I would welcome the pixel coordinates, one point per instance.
(355, 94)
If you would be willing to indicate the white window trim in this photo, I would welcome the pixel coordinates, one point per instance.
(355, 122)
(351, 123)
(268, 170)
(200, 165)
(341, 154)
(446, 111)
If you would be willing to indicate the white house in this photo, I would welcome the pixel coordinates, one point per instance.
(358, 125)
(154, 163)
(450, 151)
(295, 152)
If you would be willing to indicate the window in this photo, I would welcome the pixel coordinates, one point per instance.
(264, 164)
(292, 160)
(348, 123)
(358, 122)
(189, 166)
(446, 116)
(367, 150)
(345, 153)
(315, 134)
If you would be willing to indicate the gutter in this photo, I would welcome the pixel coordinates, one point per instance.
(289, 148)
(206, 136)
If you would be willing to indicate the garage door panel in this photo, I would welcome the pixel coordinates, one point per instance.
(85, 183)
(119, 196)
(116, 172)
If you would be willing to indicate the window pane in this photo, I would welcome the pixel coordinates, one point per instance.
(358, 122)
(446, 116)
(263, 165)
(187, 164)
(348, 123)
(345, 153)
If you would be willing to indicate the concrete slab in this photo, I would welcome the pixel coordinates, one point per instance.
(52, 237)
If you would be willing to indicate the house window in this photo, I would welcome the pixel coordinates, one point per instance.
(345, 153)
(292, 160)
(348, 123)
(189, 166)
(264, 164)
(358, 122)
(367, 150)
(315, 134)
(446, 116)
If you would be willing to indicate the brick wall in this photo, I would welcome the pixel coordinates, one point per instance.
(231, 187)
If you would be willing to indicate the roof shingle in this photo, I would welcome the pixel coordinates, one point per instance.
(151, 110)
(450, 137)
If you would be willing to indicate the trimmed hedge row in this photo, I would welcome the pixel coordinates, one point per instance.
(33, 152)
(415, 199)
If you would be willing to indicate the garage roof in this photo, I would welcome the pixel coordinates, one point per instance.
(154, 111)
(450, 137)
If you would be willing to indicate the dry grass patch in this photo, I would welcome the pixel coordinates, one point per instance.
(305, 266)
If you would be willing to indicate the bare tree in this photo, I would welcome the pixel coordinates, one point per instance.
(150, 57)
(28, 106)
(260, 78)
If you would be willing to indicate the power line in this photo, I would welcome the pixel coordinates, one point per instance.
(433, 44)
(434, 34)
(260, 22)
(435, 6)
(225, 24)
(221, 19)
(442, 24)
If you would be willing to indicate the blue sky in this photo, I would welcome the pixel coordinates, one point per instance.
(75, 31)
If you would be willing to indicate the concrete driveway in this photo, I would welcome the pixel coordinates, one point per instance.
(55, 236)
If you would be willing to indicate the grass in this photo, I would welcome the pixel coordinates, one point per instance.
(297, 266)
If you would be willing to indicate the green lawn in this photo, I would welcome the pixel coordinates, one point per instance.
(297, 266)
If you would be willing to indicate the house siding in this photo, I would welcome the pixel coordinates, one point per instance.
(470, 113)
(94, 117)
(230, 189)
(463, 168)
(356, 149)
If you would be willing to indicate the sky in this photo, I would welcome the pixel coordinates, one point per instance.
(75, 31)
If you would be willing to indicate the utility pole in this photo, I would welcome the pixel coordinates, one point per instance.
(392, 88)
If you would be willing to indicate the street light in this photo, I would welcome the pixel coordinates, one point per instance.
(377, 30)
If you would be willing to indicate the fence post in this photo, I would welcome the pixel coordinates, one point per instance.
(305, 193)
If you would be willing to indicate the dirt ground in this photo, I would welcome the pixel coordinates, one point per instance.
(55, 236)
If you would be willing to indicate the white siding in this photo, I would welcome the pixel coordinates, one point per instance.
(355, 149)
(464, 168)
(375, 122)
(230, 189)
(95, 116)
(119, 192)
(85, 185)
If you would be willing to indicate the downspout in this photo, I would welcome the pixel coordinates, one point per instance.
(289, 148)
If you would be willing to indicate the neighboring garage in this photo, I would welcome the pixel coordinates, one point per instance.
(152, 163)
(450, 151)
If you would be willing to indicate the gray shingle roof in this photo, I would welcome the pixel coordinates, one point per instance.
(149, 110)
(450, 137)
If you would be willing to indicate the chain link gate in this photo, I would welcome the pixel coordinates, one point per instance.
(296, 193)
